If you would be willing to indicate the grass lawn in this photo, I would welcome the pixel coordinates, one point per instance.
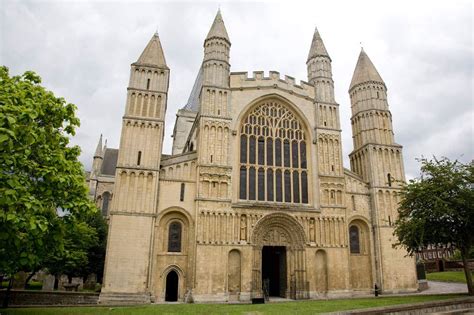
(300, 307)
(447, 276)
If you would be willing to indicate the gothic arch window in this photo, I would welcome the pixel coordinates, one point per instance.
(273, 161)
(354, 239)
(105, 203)
(174, 237)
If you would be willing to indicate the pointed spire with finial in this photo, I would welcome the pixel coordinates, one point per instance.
(98, 151)
(317, 46)
(365, 71)
(218, 29)
(153, 53)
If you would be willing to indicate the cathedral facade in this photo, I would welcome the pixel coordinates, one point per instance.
(254, 200)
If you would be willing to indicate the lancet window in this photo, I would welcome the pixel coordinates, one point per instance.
(273, 160)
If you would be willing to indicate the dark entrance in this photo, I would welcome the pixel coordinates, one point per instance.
(274, 270)
(171, 294)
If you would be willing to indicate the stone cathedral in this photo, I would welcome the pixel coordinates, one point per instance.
(254, 200)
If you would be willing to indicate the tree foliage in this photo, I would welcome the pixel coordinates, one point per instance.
(438, 208)
(42, 185)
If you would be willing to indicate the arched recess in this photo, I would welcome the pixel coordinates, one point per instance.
(360, 255)
(165, 222)
(281, 230)
(234, 267)
(321, 276)
(173, 283)
(163, 260)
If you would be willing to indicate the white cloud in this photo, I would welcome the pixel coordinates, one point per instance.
(423, 50)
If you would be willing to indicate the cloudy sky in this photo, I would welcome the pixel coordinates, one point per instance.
(422, 49)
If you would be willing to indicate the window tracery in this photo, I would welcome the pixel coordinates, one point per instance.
(273, 161)
(174, 237)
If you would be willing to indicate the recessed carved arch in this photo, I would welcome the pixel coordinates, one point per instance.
(278, 229)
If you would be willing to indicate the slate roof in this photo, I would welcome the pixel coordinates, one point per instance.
(110, 162)
(193, 100)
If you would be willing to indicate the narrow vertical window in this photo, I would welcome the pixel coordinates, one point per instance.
(261, 150)
(139, 158)
(243, 149)
(270, 185)
(389, 180)
(243, 182)
(353, 203)
(278, 152)
(261, 184)
(294, 154)
(286, 152)
(148, 84)
(303, 154)
(269, 151)
(105, 203)
(287, 186)
(181, 193)
(252, 183)
(296, 187)
(304, 187)
(279, 186)
(252, 150)
(174, 237)
(354, 239)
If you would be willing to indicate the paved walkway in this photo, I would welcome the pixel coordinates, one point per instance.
(436, 287)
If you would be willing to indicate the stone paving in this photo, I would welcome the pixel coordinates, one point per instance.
(436, 287)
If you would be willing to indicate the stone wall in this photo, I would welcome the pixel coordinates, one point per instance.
(30, 298)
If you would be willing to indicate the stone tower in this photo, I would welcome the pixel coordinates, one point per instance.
(378, 160)
(328, 129)
(133, 212)
(213, 118)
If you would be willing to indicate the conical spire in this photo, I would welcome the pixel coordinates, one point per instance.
(365, 71)
(98, 150)
(153, 53)
(317, 46)
(218, 28)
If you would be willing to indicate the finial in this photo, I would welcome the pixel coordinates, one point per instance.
(156, 32)
(361, 46)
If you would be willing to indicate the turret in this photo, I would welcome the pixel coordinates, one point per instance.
(216, 65)
(371, 119)
(98, 159)
(319, 70)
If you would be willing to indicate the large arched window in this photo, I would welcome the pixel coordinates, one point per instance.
(273, 162)
(354, 239)
(174, 237)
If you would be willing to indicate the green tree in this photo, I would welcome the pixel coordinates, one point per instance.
(42, 183)
(438, 208)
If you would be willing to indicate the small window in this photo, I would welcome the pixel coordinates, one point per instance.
(332, 168)
(325, 124)
(378, 96)
(174, 237)
(181, 193)
(211, 158)
(389, 180)
(139, 159)
(389, 221)
(148, 84)
(105, 203)
(191, 146)
(354, 239)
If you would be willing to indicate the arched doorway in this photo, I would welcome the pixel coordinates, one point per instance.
(172, 280)
(279, 267)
